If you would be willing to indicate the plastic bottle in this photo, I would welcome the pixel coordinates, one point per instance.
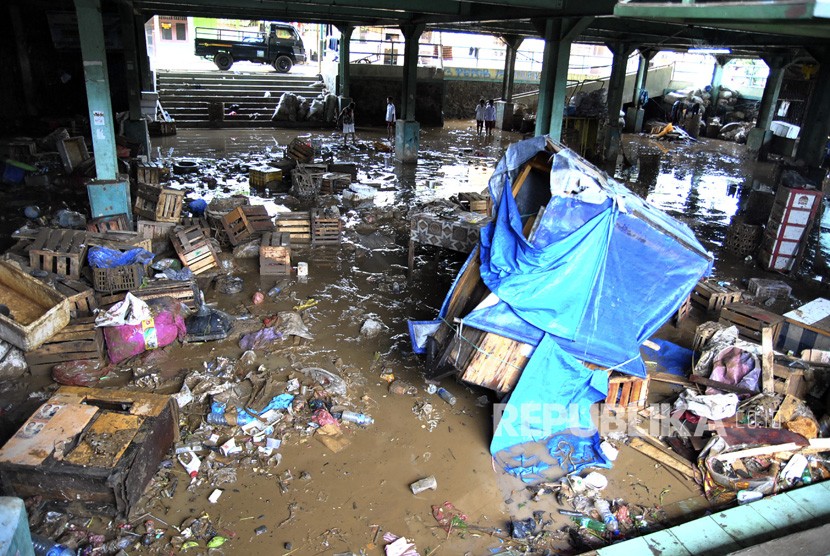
(603, 508)
(356, 418)
(214, 418)
(445, 395)
(47, 547)
(273, 292)
(191, 465)
(592, 524)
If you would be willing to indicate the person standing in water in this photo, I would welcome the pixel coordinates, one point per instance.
(480, 109)
(390, 118)
(347, 119)
(490, 117)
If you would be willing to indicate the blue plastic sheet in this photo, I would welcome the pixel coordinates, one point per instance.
(104, 257)
(245, 416)
(575, 452)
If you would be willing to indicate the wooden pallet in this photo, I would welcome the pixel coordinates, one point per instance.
(476, 202)
(118, 279)
(158, 204)
(62, 252)
(182, 291)
(750, 320)
(334, 182)
(325, 230)
(711, 296)
(243, 223)
(80, 340)
(103, 224)
(275, 254)
(299, 150)
(296, 224)
(497, 364)
(625, 392)
(261, 176)
(148, 173)
(194, 249)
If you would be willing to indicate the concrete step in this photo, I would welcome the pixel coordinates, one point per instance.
(242, 123)
(237, 78)
(227, 96)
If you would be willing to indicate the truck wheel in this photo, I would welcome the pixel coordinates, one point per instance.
(283, 64)
(223, 61)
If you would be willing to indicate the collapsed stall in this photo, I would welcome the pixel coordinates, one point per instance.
(570, 278)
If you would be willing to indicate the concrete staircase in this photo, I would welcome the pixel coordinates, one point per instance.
(185, 95)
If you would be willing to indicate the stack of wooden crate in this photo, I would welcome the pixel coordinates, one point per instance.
(261, 176)
(160, 204)
(194, 249)
(80, 340)
(325, 227)
(334, 182)
(296, 224)
(245, 222)
(712, 297)
(62, 252)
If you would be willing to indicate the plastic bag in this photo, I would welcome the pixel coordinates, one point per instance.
(104, 257)
(131, 311)
(79, 373)
(165, 326)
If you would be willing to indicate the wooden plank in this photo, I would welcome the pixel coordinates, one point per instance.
(720, 385)
(118, 428)
(49, 426)
(767, 360)
(679, 465)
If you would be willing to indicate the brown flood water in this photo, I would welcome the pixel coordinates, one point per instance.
(336, 508)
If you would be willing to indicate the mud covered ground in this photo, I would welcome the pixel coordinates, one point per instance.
(328, 503)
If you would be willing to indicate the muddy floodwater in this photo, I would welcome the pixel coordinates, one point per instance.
(327, 503)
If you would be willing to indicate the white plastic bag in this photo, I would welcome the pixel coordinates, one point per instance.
(131, 311)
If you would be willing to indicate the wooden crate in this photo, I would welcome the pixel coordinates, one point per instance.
(626, 392)
(296, 224)
(704, 332)
(148, 229)
(490, 360)
(118, 279)
(334, 182)
(199, 221)
(103, 224)
(325, 229)
(80, 340)
(148, 173)
(242, 223)
(299, 150)
(476, 202)
(750, 320)
(275, 254)
(684, 311)
(159, 204)
(194, 249)
(62, 252)
(73, 152)
(121, 240)
(711, 296)
(37, 310)
(94, 446)
(80, 296)
(182, 291)
(260, 176)
(161, 129)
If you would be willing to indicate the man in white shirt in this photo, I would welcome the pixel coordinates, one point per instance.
(480, 108)
(390, 119)
(490, 117)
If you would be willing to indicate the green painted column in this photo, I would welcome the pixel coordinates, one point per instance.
(93, 51)
(559, 34)
(344, 56)
(512, 44)
(772, 88)
(816, 128)
(616, 84)
(642, 72)
(411, 33)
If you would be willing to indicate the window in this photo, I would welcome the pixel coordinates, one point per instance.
(173, 28)
(284, 34)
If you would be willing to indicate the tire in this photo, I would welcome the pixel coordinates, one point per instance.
(223, 61)
(283, 64)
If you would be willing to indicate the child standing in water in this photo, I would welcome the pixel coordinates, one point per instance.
(480, 108)
(347, 118)
(490, 117)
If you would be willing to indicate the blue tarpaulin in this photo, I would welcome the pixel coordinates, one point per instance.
(601, 271)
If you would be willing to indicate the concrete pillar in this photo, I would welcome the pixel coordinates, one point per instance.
(760, 136)
(512, 44)
(343, 72)
(93, 51)
(616, 84)
(558, 33)
(135, 128)
(22, 47)
(816, 128)
(717, 75)
(145, 72)
(642, 72)
(407, 130)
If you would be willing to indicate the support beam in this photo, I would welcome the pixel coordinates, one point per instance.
(23, 62)
(717, 76)
(131, 62)
(512, 44)
(811, 147)
(93, 51)
(407, 130)
(760, 136)
(144, 68)
(559, 34)
(646, 55)
(343, 71)
(411, 33)
(616, 84)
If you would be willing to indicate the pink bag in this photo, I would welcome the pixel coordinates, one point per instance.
(166, 326)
